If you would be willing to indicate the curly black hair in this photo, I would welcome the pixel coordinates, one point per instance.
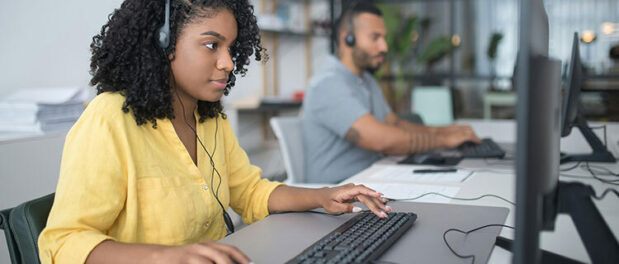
(126, 56)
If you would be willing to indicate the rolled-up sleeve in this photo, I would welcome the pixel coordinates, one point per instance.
(249, 194)
(91, 192)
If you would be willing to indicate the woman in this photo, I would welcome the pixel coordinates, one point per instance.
(152, 162)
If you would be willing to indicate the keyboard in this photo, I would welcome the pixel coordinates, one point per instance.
(486, 149)
(452, 156)
(361, 239)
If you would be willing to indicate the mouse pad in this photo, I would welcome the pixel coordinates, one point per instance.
(432, 160)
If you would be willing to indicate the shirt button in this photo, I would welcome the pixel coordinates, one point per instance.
(205, 187)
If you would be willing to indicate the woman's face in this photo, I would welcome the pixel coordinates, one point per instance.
(202, 62)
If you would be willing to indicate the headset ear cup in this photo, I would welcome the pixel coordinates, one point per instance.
(164, 40)
(164, 31)
(350, 39)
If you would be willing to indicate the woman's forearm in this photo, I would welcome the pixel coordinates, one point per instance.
(115, 252)
(288, 198)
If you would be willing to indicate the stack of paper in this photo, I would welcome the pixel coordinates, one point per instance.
(41, 110)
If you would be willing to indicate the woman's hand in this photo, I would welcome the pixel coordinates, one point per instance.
(205, 252)
(339, 200)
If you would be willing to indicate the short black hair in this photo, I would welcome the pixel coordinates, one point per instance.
(350, 12)
(126, 57)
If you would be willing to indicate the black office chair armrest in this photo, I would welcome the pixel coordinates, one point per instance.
(27, 220)
(14, 253)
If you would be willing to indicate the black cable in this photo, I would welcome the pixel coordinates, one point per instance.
(227, 219)
(612, 182)
(571, 168)
(605, 171)
(466, 233)
(576, 176)
(455, 198)
(607, 191)
(595, 176)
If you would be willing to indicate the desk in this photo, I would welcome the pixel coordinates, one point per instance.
(497, 177)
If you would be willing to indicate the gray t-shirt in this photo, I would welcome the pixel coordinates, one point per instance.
(336, 98)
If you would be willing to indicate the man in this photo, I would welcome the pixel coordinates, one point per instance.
(347, 123)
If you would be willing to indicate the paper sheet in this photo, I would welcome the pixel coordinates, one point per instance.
(403, 173)
(410, 190)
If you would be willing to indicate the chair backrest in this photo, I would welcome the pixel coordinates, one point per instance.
(22, 226)
(434, 104)
(290, 136)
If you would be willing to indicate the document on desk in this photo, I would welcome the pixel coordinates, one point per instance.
(405, 173)
(414, 192)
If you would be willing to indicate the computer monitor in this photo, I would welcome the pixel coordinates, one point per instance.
(573, 114)
(537, 155)
(538, 85)
(539, 194)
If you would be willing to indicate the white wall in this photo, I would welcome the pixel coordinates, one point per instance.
(43, 44)
(46, 43)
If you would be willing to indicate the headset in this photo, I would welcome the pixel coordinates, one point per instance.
(164, 43)
(350, 36)
(164, 31)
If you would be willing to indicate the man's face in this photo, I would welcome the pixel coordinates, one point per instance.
(370, 45)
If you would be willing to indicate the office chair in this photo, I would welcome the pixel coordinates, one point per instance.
(290, 137)
(22, 226)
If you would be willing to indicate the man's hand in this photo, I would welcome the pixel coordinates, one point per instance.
(453, 136)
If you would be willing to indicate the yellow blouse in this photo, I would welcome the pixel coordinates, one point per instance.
(137, 184)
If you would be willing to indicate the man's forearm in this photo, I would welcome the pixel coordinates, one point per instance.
(415, 128)
(412, 142)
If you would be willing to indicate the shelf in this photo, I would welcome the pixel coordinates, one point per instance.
(273, 106)
(293, 33)
(425, 76)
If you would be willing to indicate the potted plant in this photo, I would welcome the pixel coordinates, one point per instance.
(402, 33)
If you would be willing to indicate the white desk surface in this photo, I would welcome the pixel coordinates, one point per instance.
(497, 177)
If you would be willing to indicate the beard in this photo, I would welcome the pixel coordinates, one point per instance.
(363, 60)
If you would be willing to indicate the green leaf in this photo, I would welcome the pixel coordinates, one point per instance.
(406, 36)
(436, 49)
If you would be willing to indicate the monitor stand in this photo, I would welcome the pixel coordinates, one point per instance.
(599, 154)
(599, 241)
